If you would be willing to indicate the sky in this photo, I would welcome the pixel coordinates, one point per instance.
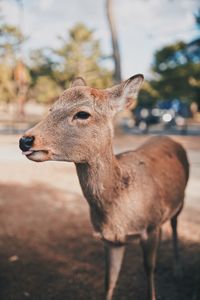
(143, 25)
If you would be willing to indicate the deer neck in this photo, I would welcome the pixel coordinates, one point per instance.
(102, 180)
(98, 178)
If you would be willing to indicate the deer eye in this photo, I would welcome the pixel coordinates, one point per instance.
(83, 115)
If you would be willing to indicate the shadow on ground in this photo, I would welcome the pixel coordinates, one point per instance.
(47, 252)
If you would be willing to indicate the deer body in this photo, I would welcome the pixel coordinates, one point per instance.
(136, 190)
(130, 194)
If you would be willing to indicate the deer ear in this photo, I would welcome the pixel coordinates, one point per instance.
(123, 95)
(78, 81)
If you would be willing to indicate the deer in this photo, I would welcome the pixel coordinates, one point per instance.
(131, 194)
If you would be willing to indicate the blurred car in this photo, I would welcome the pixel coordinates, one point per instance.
(170, 113)
(144, 117)
(173, 113)
(179, 107)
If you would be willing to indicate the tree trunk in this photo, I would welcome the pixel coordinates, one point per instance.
(115, 45)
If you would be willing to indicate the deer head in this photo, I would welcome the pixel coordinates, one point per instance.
(79, 123)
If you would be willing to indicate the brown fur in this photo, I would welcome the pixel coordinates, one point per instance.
(131, 194)
(122, 188)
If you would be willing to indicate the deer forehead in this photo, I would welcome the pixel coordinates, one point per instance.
(78, 97)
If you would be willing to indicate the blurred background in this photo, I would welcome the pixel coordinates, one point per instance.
(45, 44)
(44, 221)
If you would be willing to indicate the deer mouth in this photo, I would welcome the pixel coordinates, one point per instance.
(29, 152)
(37, 155)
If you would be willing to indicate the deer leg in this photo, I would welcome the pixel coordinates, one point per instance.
(149, 243)
(177, 265)
(113, 260)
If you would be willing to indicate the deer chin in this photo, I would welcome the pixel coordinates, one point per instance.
(38, 155)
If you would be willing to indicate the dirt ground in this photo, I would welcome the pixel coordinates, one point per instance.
(47, 251)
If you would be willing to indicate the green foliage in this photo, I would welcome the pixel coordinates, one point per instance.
(50, 70)
(46, 90)
(176, 70)
(10, 41)
(147, 96)
(176, 73)
(80, 55)
(42, 64)
(7, 87)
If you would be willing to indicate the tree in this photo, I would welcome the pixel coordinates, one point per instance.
(147, 96)
(7, 87)
(176, 68)
(22, 81)
(46, 90)
(10, 41)
(176, 73)
(115, 45)
(45, 86)
(42, 64)
(80, 55)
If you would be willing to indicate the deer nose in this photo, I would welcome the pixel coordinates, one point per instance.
(26, 142)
